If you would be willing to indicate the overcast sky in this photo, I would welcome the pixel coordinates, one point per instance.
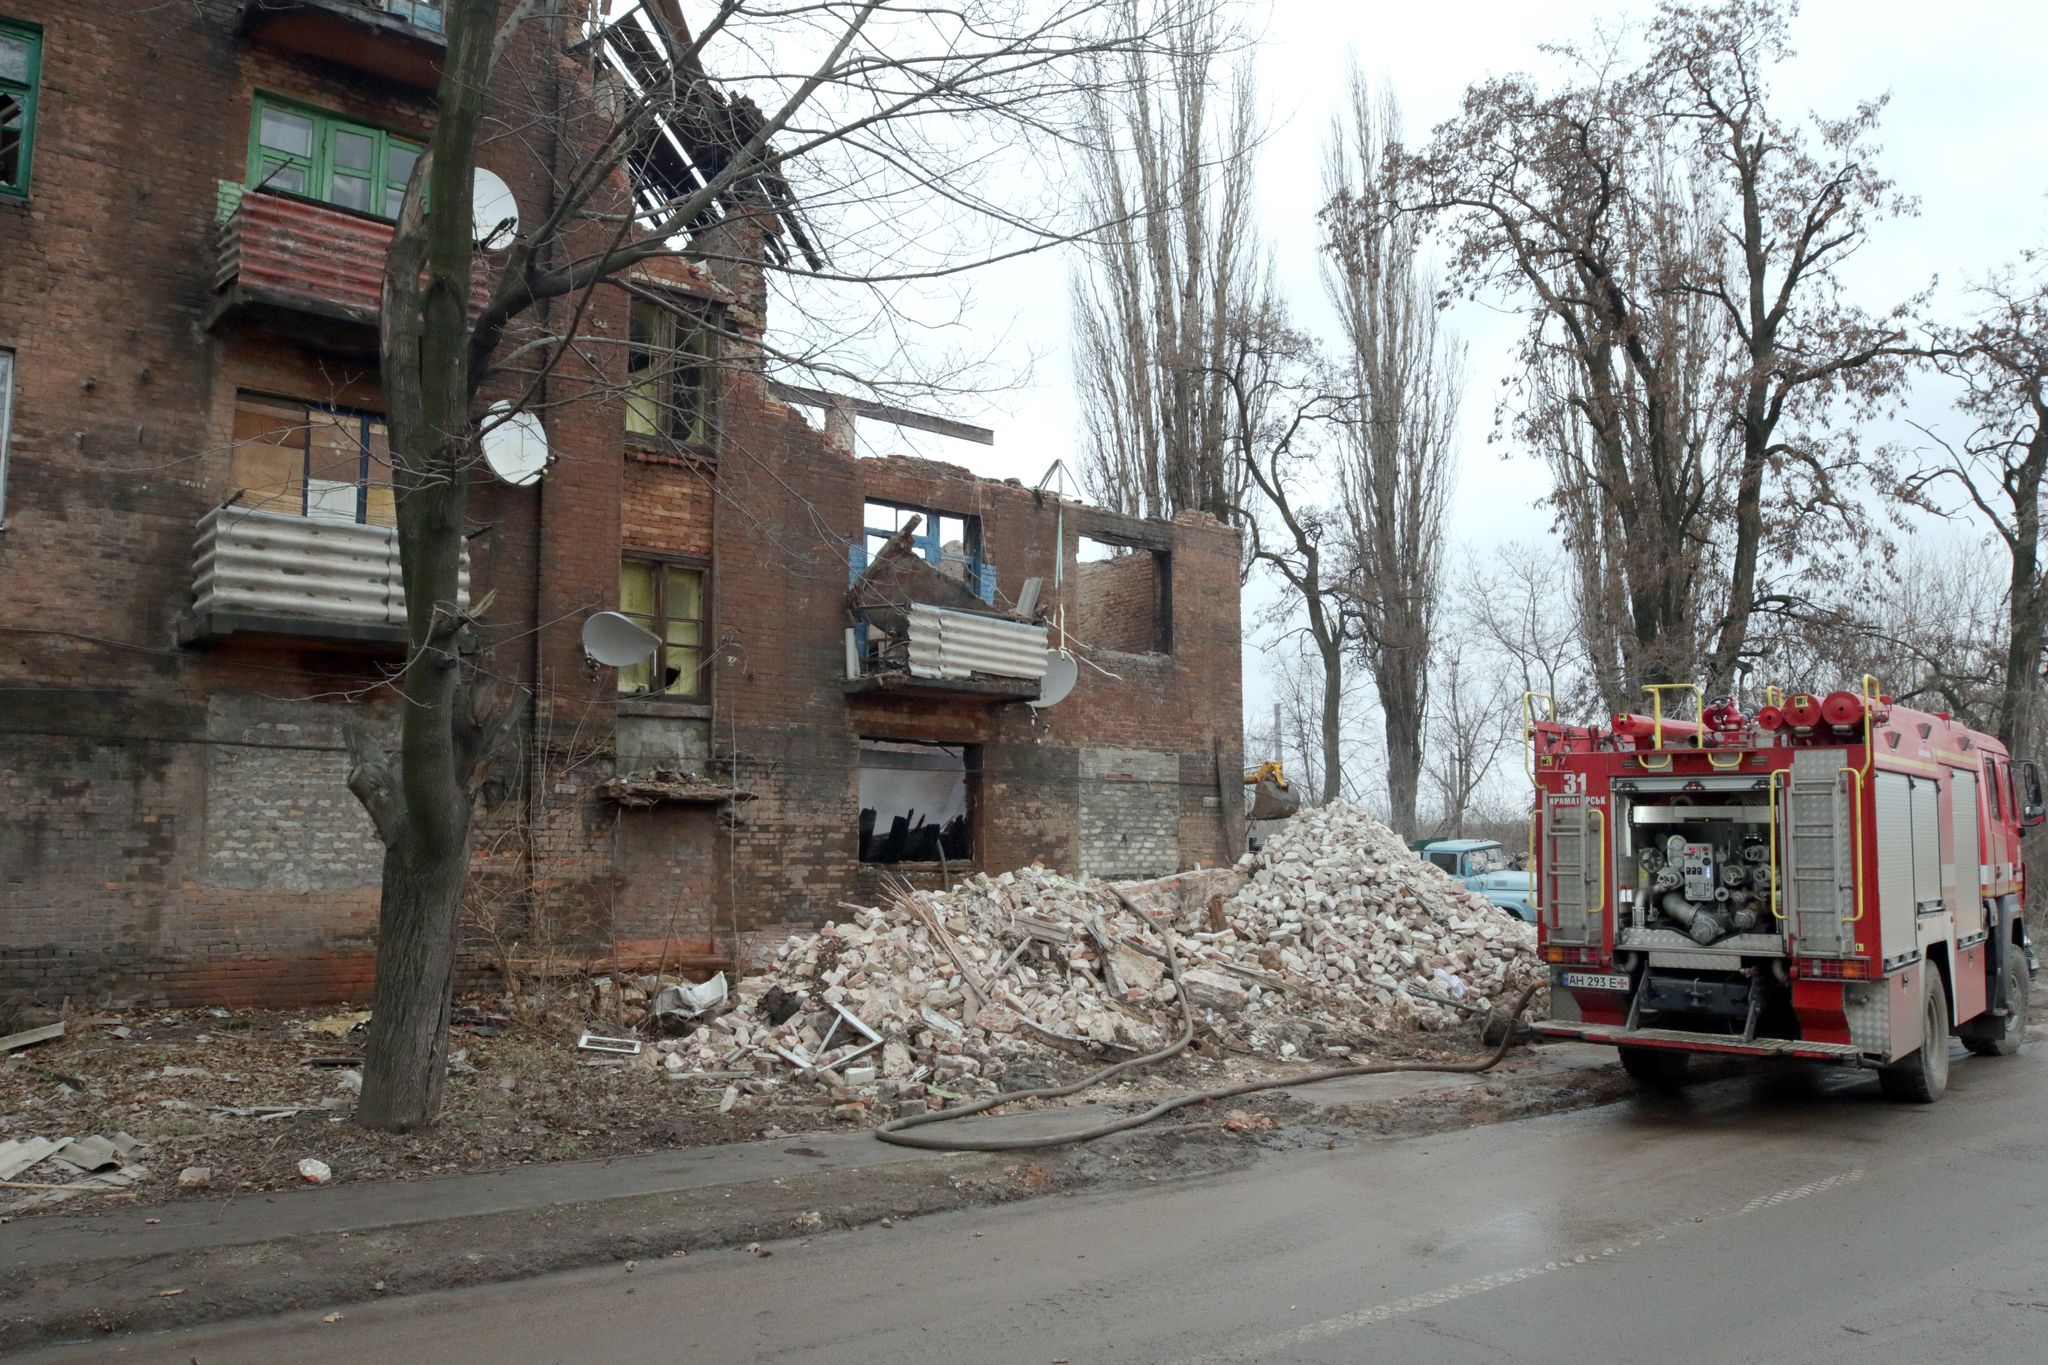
(1965, 132)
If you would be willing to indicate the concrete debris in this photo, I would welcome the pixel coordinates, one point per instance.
(1322, 936)
(195, 1178)
(64, 1168)
(690, 1000)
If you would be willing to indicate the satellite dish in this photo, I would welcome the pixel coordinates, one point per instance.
(1061, 673)
(617, 641)
(515, 445)
(494, 213)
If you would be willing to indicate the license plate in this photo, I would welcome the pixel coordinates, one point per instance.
(1595, 981)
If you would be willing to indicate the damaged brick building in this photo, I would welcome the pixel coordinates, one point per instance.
(198, 575)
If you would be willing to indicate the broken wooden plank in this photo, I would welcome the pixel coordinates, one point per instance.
(29, 1037)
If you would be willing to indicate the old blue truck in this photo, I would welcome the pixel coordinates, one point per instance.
(1482, 864)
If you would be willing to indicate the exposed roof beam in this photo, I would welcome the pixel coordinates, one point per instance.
(881, 412)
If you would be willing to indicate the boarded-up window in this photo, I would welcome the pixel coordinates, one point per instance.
(311, 461)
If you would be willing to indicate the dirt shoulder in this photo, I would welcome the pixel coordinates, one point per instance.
(113, 1282)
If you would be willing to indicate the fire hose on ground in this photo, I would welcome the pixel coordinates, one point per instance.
(898, 1131)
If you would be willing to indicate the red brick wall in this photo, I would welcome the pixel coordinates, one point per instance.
(177, 828)
(667, 505)
(1117, 603)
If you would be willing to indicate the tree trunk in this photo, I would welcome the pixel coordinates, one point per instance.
(1333, 718)
(2016, 718)
(1404, 766)
(422, 811)
(405, 1063)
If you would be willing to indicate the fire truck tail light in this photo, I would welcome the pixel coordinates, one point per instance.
(1834, 969)
(1574, 956)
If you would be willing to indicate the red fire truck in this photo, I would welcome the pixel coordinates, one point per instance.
(1836, 878)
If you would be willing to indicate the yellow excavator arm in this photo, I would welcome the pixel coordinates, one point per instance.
(1272, 798)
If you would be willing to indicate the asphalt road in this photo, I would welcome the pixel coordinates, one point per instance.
(1788, 1217)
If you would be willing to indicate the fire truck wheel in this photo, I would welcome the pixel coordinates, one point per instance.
(1655, 1068)
(2011, 1031)
(1920, 1076)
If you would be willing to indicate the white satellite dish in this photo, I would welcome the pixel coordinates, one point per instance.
(1061, 673)
(494, 213)
(515, 445)
(617, 641)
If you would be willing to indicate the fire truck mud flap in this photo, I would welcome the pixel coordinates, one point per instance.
(1704, 1042)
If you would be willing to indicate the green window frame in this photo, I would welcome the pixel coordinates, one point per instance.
(21, 75)
(671, 361)
(671, 598)
(306, 151)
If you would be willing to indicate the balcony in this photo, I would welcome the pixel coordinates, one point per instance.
(920, 632)
(928, 651)
(399, 40)
(309, 270)
(299, 265)
(271, 573)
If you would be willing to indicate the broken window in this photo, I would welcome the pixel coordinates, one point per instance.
(914, 805)
(667, 599)
(949, 543)
(321, 156)
(21, 61)
(1123, 597)
(669, 370)
(307, 460)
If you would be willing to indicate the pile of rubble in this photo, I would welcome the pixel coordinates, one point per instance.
(1335, 930)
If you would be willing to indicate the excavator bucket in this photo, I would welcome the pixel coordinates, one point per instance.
(1272, 801)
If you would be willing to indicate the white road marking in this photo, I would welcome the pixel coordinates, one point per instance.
(1261, 1347)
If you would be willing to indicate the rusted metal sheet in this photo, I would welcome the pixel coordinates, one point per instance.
(281, 248)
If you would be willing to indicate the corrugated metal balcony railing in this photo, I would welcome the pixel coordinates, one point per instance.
(270, 573)
(954, 644)
(279, 252)
(317, 268)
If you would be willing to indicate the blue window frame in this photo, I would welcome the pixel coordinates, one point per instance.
(949, 542)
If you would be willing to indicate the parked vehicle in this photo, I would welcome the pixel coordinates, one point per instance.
(1839, 878)
(1482, 864)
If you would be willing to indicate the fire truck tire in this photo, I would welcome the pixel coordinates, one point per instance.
(2002, 1037)
(1921, 1076)
(1655, 1068)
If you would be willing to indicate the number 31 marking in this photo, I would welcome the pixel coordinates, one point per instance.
(1574, 784)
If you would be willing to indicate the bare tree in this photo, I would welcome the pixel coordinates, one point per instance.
(1800, 206)
(1280, 404)
(1473, 720)
(1998, 469)
(1931, 626)
(1174, 275)
(1401, 378)
(1679, 250)
(888, 109)
(1511, 602)
(1565, 201)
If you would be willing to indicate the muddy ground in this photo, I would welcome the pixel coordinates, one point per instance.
(248, 1094)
